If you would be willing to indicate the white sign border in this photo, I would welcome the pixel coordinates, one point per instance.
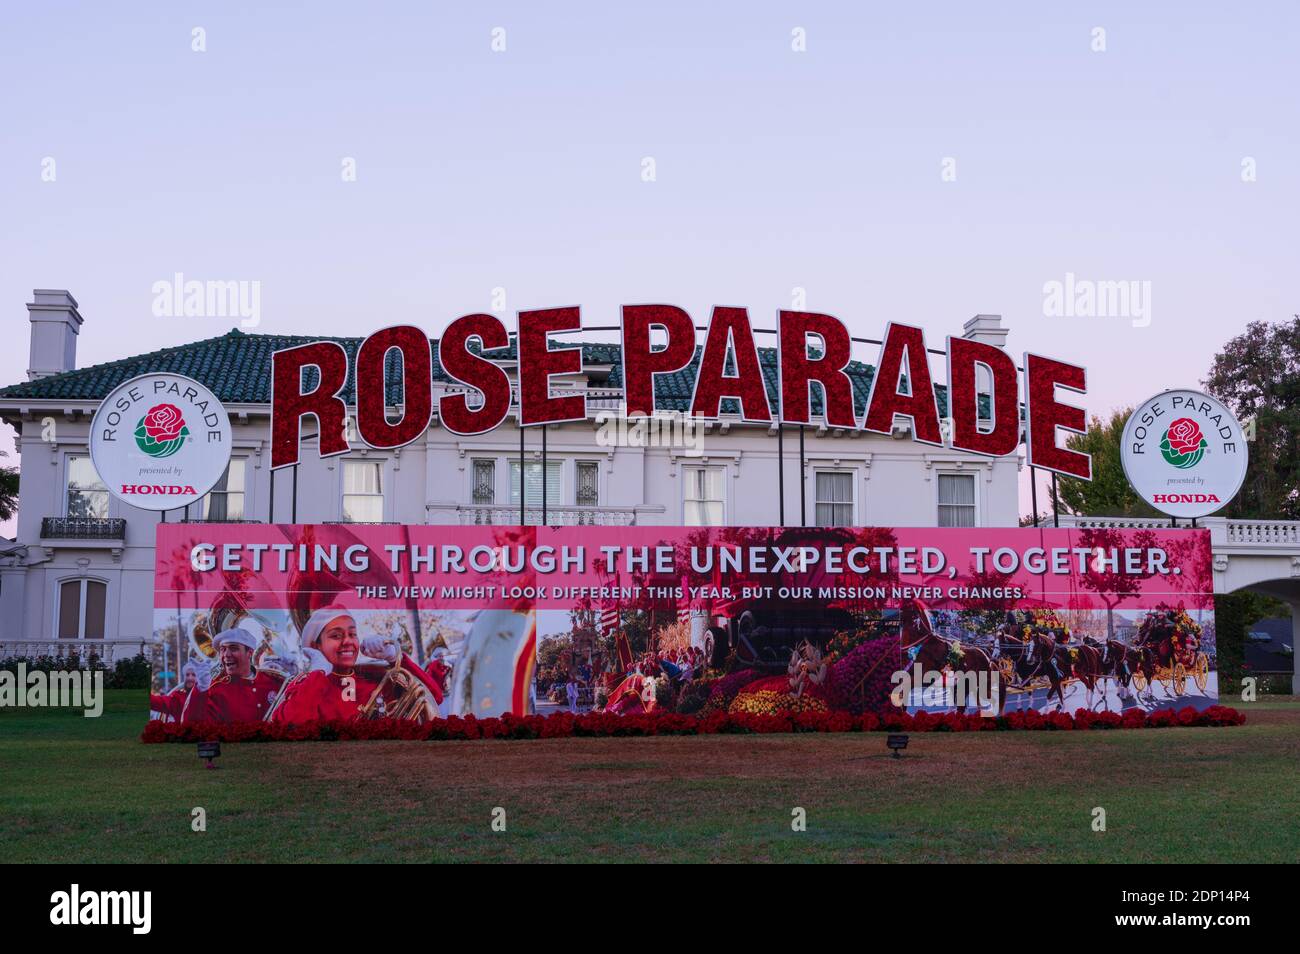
(200, 494)
(1123, 454)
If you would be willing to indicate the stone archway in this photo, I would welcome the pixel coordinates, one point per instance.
(1288, 592)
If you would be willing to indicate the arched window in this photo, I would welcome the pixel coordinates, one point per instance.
(82, 609)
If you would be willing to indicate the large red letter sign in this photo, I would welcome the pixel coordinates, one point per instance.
(372, 387)
(1045, 414)
(903, 353)
(475, 371)
(289, 403)
(537, 362)
(640, 363)
(729, 330)
(1003, 433)
(799, 370)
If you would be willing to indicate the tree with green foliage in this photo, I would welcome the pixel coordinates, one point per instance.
(8, 490)
(1108, 494)
(1257, 374)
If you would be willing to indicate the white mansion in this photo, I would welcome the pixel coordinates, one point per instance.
(81, 566)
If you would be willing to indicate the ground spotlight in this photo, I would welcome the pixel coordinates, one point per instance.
(211, 750)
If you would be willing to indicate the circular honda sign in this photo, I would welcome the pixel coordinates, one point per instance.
(1184, 452)
(160, 441)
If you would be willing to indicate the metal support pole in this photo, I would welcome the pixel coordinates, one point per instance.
(523, 483)
(1033, 490)
(1056, 503)
(293, 514)
(780, 468)
(803, 493)
(543, 475)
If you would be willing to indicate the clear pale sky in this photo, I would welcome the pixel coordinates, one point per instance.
(775, 169)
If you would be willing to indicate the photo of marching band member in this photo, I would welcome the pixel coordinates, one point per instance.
(340, 663)
(241, 692)
(337, 684)
(169, 705)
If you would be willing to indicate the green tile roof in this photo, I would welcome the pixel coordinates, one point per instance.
(237, 367)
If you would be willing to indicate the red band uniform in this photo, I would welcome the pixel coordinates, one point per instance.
(239, 694)
(335, 688)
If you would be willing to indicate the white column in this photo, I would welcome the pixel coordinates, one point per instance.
(1295, 628)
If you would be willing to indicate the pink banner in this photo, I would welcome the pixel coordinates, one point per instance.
(382, 566)
(318, 622)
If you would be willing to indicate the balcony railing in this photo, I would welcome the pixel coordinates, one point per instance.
(598, 398)
(212, 520)
(1269, 533)
(1107, 523)
(83, 528)
(559, 516)
(1266, 534)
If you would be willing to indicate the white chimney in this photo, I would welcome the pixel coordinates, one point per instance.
(55, 326)
(986, 329)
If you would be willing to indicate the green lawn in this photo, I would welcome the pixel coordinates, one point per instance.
(75, 789)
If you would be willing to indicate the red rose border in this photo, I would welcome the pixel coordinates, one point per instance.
(600, 725)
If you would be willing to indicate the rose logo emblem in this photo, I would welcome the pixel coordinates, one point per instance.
(162, 431)
(1183, 444)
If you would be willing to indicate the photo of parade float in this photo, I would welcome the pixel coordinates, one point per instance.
(1023, 659)
(770, 656)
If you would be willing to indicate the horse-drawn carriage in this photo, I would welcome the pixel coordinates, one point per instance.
(1033, 652)
(1170, 642)
(1166, 650)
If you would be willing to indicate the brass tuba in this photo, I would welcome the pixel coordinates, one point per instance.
(227, 612)
(201, 636)
(414, 702)
(403, 692)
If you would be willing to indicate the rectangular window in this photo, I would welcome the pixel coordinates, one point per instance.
(70, 609)
(704, 499)
(226, 499)
(363, 491)
(956, 500)
(533, 483)
(588, 493)
(87, 495)
(82, 609)
(485, 482)
(834, 499)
